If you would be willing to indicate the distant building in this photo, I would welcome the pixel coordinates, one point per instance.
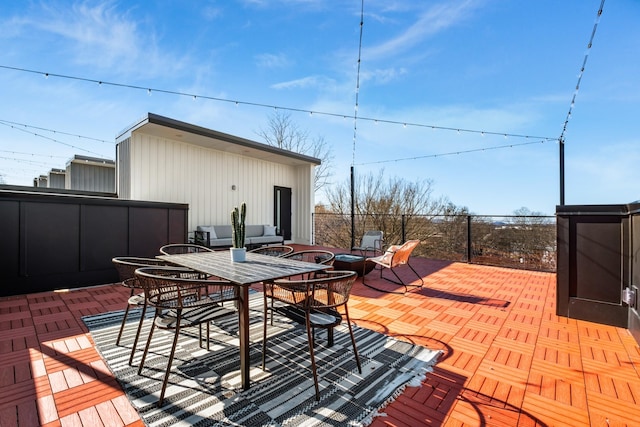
(41, 181)
(82, 173)
(90, 174)
(56, 178)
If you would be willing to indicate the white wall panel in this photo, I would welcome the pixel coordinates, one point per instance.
(173, 171)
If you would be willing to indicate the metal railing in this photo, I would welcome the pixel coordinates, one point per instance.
(525, 242)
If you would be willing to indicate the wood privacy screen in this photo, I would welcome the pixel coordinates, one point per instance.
(58, 241)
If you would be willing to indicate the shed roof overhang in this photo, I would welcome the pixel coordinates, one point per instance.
(165, 127)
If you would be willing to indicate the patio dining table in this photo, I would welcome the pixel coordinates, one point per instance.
(257, 268)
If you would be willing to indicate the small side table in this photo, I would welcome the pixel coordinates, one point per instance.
(352, 263)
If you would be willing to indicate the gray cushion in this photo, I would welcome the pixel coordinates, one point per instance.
(223, 231)
(269, 230)
(210, 228)
(221, 242)
(265, 239)
(253, 231)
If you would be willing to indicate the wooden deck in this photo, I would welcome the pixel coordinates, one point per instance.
(508, 359)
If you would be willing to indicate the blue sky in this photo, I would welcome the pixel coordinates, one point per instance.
(491, 66)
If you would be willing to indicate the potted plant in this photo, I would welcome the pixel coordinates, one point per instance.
(238, 251)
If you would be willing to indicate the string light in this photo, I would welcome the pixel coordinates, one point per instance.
(581, 73)
(7, 122)
(453, 153)
(355, 109)
(51, 139)
(275, 107)
(32, 154)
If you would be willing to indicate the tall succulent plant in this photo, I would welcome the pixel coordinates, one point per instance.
(237, 225)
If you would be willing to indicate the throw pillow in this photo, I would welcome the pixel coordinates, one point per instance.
(269, 230)
(210, 229)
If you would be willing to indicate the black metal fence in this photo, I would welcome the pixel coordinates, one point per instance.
(525, 242)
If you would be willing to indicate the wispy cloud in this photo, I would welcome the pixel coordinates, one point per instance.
(305, 82)
(382, 75)
(431, 21)
(99, 34)
(271, 60)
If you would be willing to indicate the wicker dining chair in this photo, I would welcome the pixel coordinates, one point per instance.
(314, 303)
(318, 256)
(181, 302)
(183, 248)
(126, 267)
(187, 248)
(273, 250)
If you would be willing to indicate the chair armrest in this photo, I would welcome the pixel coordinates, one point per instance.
(202, 238)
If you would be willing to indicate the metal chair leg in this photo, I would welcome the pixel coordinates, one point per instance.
(146, 347)
(353, 339)
(313, 359)
(124, 320)
(264, 329)
(170, 362)
(135, 340)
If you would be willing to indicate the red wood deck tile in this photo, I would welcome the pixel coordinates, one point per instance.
(553, 413)
(47, 411)
(108, 414)
(75, 399)
(90, 417)
(12, 395)
(125, 410)
(508, 358)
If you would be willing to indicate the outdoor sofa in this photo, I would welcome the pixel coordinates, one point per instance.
(219, 236)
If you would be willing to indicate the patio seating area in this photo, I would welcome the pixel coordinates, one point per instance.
(508, 359)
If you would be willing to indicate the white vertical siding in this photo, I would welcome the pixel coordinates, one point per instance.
(167, 170)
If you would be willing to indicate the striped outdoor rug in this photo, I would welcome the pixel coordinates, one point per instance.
(204, 388)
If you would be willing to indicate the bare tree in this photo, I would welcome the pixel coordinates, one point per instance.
(393, 205)
(283, 133)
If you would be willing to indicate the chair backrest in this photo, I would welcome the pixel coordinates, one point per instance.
(183, 248)
(328, 289)
(273, 250)
(317, 256)
(372, 240)
(402, 253)
(126, 267)
(179, 287)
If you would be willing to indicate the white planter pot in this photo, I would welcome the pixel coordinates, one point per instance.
(238, 254)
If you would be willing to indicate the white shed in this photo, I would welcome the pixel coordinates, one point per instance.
(165, 160)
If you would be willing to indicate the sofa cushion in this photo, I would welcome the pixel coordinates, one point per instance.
(269, 230)
(223, 231)
(253, 231)
(221, 243)
(262, 240)
(210, 228)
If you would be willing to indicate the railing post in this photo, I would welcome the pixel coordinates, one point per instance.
(353, 210)
(404, 231)
(468, 238)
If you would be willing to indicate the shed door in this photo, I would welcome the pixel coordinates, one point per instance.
(282, 211)
(634, 316)
(598, 270)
